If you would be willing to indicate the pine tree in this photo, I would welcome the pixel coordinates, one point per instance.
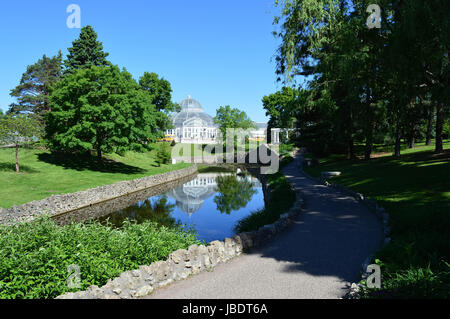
(85, 52)
(33, 91)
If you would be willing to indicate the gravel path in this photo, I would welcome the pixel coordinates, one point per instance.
(316, 257)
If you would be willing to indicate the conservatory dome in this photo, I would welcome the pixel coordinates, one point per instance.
(192, 124)
(191, 104)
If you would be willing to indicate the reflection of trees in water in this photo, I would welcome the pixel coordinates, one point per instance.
(234, 193)
(157, 210)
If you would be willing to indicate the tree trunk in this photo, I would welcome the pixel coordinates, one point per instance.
(411, 143)
(369, 141)
(397, 141)
(350, 141)
(439, 127)
(412, 138)
(17, 159)
(99, 156)
(350, 149)
(430, 126)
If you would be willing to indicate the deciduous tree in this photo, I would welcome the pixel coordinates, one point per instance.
(18, 130)
(100, 108)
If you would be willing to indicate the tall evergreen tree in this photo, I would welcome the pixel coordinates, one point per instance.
(32, 93)
(86, 51)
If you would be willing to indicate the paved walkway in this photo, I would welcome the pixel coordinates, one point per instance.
(316, 257)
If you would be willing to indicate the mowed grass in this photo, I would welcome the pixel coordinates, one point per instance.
(415, 190)
(44, 174)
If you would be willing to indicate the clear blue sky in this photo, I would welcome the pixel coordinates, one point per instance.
(219, 52)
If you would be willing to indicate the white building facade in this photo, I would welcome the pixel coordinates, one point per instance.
(192, 125)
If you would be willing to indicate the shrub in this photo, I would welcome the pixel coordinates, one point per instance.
(163, 154)
(34, 257)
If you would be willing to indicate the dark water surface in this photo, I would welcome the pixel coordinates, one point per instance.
(211, 203)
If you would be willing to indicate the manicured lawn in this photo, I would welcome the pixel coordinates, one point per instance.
(43, 174)
(415, 190)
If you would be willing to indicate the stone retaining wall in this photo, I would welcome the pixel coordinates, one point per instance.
(106, 208)
(186, 262)
(62, 204)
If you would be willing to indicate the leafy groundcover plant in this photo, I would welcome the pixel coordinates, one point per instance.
(35, 256)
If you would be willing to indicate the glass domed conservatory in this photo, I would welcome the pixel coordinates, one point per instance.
(192, 124)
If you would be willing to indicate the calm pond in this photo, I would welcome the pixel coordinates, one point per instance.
(211, 203)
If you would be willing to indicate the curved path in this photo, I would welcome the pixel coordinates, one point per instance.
(316, 257)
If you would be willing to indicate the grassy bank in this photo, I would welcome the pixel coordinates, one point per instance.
(220, 168)
(282, 198)
(415, 190)
(44, 174)
(34, 258)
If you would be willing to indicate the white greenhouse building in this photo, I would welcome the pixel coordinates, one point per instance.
(192, 125)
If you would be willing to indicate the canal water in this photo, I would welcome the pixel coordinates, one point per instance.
(211, 203)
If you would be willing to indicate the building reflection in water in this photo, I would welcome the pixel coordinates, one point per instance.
(212, 204)
(191, 196)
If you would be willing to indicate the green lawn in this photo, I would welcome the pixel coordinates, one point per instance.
(43, 174)
(415, 190)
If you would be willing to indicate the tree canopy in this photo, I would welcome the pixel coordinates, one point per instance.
(160, 91)
(233, 118)
(364, 84)
(100, 108)
(86, 51)
(19, 129)
(33, 91)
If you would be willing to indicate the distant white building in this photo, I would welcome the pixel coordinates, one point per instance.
(193, 126)
(259, 132)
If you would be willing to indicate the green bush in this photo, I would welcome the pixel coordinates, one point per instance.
(163, 153)
(34, 257)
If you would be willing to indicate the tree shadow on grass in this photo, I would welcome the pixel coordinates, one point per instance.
(11, 167)
(81, 162)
